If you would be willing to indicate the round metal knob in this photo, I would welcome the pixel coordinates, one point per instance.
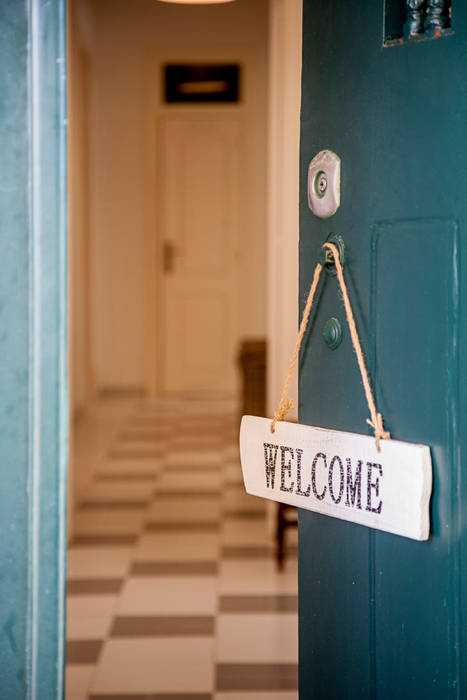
(332, 333)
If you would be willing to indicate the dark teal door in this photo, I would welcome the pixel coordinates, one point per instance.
(33, 405)
(381, 616)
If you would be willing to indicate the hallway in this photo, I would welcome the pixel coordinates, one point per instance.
(173, 590)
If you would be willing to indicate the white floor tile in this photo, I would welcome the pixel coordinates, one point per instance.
(193, 433)
(98, 562)
(198, 458)
(137, 445)
(120, 490)
(108, 522)
(127, 466)
(198, 508)
(232, 472)
(88, 627)
(232, 452)
(205, 438)
(186, 481)
(161, 427)
(89, 616)
(155, 666)
(177, 547)
(244, 532)
(164, 595)
(257, 638)
(78, 679)
(257, 577)
(236, 498)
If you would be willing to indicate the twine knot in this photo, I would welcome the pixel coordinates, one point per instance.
(380, 432)
(285, 407)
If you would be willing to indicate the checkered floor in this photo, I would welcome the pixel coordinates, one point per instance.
(173, 590)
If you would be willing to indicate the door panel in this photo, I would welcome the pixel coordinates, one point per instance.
(200, 198)
(380, 616)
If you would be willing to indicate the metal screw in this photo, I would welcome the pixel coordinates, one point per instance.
(321, 183)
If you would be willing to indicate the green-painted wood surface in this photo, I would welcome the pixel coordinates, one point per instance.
(33, 407)
(383, 617)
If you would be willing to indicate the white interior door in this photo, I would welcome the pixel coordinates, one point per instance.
(201, 166)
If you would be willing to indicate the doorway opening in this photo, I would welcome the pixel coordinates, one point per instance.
(178, 256)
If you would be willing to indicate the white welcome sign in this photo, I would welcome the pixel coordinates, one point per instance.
(339, 474)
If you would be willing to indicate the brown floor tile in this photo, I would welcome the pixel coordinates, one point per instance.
(143, 422)
(112, 505)
(126, 476)
(189, 568)
(93, 586)
(233, 484)
(258, 604)
(251, 677)
(247, 552)
(171, 493)
(99, 540)
(195, 526)
(84, 651)
(148, 626)
(191, 443)
(245, 514)
(154, 696)
(187, 494)
(136, 454)
(151, 435)
(191, 468)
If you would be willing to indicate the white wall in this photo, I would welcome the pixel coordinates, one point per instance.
(125, 35)
(285, 61)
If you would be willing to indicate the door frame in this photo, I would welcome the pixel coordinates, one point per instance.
(48, 350)
(285, 67)
(246, 108)
(33, 402)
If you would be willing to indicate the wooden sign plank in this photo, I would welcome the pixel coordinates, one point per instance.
(339, 474)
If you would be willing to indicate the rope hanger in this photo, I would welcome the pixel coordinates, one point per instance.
(285, 403)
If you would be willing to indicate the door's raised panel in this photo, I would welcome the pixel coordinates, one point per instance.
(200, 177)
(415, 302)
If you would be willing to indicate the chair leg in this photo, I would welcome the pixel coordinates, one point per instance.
(280, 536)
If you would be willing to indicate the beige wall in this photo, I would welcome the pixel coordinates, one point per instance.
(122, 38)
(81, 387)
(81, 381)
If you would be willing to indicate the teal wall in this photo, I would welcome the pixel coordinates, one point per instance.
(33, 408)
